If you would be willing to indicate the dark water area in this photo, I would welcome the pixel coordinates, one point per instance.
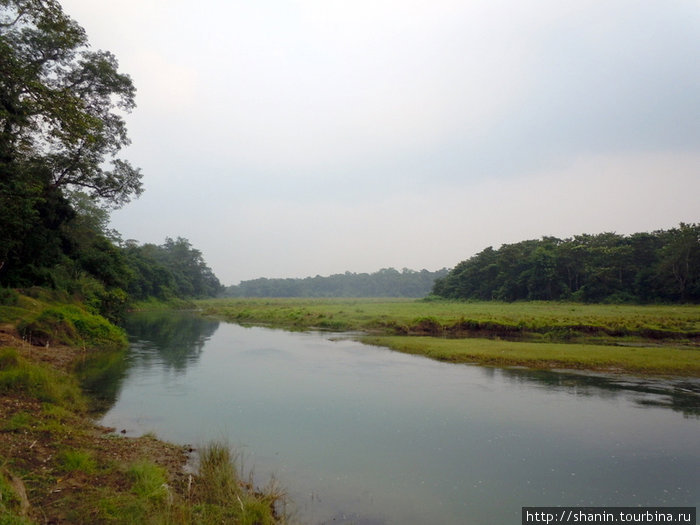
(362, 434)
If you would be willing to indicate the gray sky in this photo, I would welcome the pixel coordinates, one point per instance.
(295, 138)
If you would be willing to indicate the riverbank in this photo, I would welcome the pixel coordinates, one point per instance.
(58, 466)
(647, 340)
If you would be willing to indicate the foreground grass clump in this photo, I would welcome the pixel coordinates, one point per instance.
(224, 496)
(215, 495)
(71, 460)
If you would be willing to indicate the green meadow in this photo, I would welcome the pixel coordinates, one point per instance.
(653, 339)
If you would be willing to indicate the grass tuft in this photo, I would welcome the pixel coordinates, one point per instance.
(149, 482)
(77, 460)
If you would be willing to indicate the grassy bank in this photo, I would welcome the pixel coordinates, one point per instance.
(57, 466)
(655, 339)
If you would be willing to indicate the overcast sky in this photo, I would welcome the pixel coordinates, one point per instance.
(296, 138)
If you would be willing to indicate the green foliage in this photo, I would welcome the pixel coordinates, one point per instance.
(663, 266)
(61, 123)
(173, 269)
(387, 282)
(71, 325)
(39, 381)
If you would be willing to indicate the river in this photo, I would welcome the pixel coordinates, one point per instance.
(361, 434)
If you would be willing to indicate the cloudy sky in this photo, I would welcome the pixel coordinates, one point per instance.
(296, 138)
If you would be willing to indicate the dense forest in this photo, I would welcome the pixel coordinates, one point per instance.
(61, 131)
(387, 282)
(663, 266)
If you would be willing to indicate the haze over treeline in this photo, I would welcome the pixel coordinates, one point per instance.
(387, 282)
(644, 267)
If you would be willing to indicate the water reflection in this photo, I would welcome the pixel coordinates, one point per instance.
(170, 340)
(680, 394)
(178, 338)
(101, 375)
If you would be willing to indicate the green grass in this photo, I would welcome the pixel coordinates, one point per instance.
(215, 495)
(19, 422)
(224, 497)
(402, 314)
(149, 482)
(653, 339)
(71, 325)
(71, 460)
(38, 381)
(644, 360)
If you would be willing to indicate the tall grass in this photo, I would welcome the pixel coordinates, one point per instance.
(405, 315)
(216, 494)
(221, 494)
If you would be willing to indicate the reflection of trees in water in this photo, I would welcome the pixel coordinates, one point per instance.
(174, 339)
(101, 375)
(681, 395)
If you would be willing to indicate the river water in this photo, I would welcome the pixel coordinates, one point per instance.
(361, 434)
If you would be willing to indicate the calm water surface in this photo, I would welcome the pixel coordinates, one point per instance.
(361, 434)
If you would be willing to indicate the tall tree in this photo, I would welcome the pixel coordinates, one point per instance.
(61, 124)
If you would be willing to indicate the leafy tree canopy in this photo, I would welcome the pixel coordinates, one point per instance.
(643, 267)
(60, 105)
(61, 130)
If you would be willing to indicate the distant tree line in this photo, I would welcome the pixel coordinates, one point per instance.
(644, 267)
(61, 131)
(172, 269)
(387, 282)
